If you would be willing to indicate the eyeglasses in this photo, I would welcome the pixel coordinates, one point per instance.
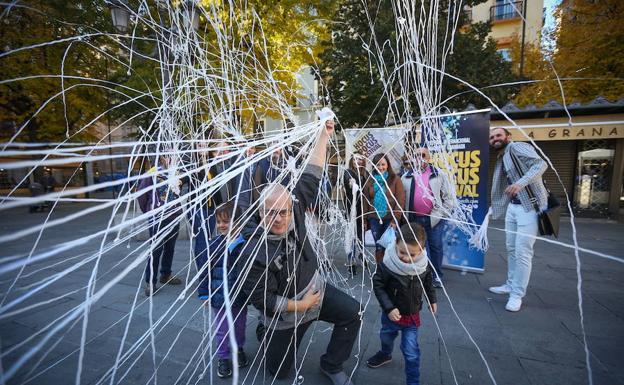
(274, 213)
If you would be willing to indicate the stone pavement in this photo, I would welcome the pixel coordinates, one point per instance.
(542, 344)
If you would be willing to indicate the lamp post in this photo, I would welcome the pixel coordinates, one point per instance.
(121, 17)
(524, 16)
(119, 14)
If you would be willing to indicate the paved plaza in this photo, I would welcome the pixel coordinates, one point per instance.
(542, 344)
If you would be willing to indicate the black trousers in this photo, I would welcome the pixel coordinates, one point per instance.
(164, 250)
(337, 308)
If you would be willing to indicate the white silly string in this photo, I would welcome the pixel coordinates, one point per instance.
(216, 78)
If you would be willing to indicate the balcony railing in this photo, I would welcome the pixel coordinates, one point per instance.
(506, 11)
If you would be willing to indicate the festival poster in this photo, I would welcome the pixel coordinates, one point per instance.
(371, 141)
(467, 134)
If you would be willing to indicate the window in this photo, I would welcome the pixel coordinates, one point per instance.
(505, 53)
(259, 125)
(505, 10)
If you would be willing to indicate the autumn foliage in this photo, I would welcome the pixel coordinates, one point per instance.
(587, 55)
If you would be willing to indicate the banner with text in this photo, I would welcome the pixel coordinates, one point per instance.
(467, 135)
(371, 141)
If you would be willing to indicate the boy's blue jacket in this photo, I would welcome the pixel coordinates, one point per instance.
(211, 280)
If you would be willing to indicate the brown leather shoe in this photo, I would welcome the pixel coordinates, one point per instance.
(170, 280)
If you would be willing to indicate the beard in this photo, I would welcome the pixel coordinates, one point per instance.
(499, 145)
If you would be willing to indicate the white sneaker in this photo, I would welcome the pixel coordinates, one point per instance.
(502, 289)
(513, 304)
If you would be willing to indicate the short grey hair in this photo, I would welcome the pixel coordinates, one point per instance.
(273, 190)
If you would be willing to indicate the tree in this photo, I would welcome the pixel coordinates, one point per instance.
(271, 40)
(361, 97)
(352, 81)
(49, 22)
(588, 55)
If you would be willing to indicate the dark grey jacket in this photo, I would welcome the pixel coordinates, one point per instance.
(279, 272)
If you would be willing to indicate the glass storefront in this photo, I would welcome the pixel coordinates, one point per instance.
(593, 176)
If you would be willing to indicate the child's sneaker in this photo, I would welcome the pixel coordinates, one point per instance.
(378, 360)
(242, 358)
(224, 368)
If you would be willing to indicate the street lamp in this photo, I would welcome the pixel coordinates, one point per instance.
(119, 13)
(121, 16)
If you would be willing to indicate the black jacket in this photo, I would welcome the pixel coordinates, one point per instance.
(401, 291)
(274, 271)
(198, 183)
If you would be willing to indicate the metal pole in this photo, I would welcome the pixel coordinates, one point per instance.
(616, 182)
(108, 119)
(524, 11)
(164, 61)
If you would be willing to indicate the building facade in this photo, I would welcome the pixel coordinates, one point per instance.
(508, 25)
(304, 106)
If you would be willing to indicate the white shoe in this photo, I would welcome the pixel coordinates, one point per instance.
(513, 304)
(502, 289)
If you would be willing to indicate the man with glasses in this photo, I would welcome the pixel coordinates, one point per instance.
(429, 198)
(285, 282)
(406, 168)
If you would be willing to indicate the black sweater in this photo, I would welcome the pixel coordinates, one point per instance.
(402, 291)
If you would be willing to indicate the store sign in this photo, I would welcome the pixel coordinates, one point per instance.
(606, 131)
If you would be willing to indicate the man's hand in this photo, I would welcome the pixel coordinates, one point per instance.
(311, 298)
(393, 225)
(433, 308)
(394, 315)
(329, 127)
(513, 189)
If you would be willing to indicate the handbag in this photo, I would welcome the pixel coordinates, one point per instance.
(369, 240)
(388, 238)
(547, 220)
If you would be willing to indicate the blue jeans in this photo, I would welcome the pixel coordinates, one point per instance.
(519, 247)
(378, 229)
(203, 223)
(409, 346)
(434, 240)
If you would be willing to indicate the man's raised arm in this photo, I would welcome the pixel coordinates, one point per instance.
(319, 153)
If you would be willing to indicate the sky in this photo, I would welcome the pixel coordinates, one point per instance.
(549, 21)
(550, 7)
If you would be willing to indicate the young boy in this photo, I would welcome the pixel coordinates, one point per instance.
(211, 289)
(399, 283)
